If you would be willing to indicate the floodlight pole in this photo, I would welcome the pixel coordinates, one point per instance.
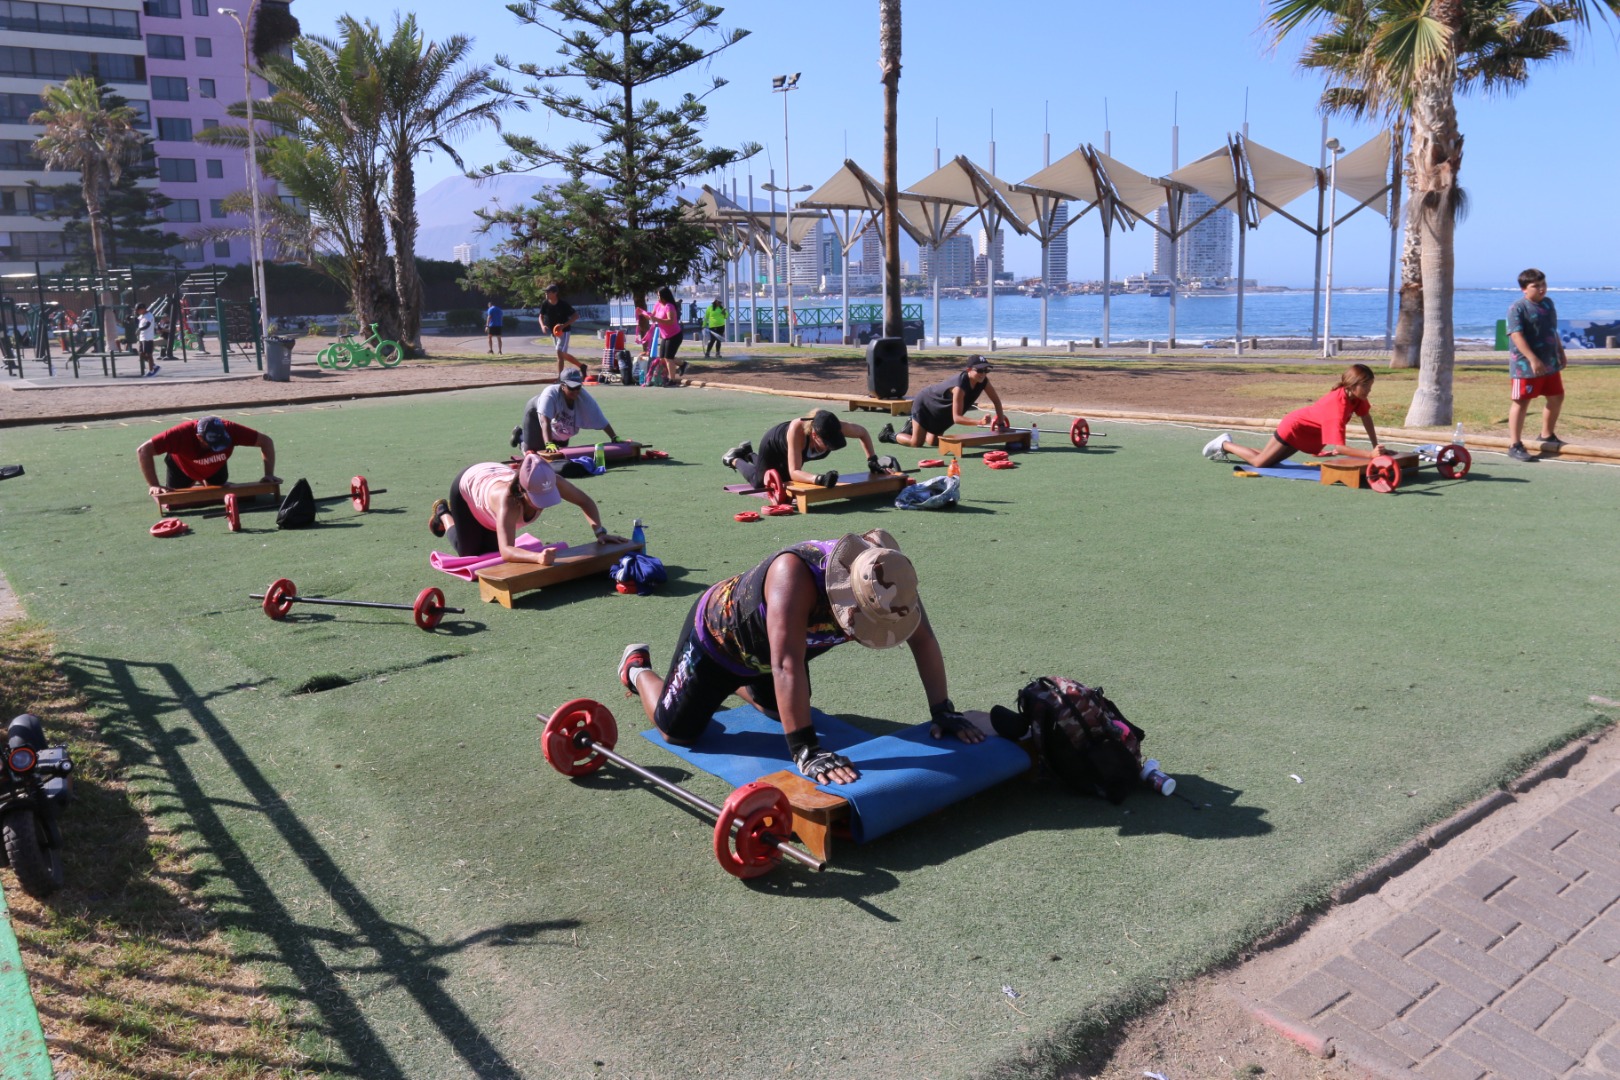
(783, 84)
(256, 242)
(1334, 149)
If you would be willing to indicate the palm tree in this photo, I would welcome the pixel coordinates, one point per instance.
(84, 131)
(889, 64)
(427, 102)
(1495, 50)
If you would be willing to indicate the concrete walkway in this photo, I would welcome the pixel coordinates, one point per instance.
(1495, 956)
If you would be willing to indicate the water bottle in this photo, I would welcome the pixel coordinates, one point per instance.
(638, 534)
(1457, 436)
(1157, 780)
(601, 457)
(953, 469)
(1034, 437)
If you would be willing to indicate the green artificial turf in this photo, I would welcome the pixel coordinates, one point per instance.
(375, 822)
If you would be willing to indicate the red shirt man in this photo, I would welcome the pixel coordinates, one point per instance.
(197, 452)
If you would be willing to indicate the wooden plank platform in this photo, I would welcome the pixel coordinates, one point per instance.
(186, 498)
(501, 582)
(953, 443)
(1352, 471)
(853, 486)
(892, 406)
(613, 451)
(817, 814)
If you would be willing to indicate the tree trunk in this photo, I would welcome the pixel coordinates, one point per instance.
(374, 300)
(1409, 320)
(889, 60)
(92, 189)
(1436, 159)
(407, 281)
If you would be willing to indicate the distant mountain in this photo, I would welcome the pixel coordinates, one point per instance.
(447, 217)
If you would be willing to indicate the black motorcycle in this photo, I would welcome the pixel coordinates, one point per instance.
(35, 783)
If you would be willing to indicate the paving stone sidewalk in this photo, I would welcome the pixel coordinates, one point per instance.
(1507, 969)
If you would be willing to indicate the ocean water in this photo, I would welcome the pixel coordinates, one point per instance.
(1357, 313)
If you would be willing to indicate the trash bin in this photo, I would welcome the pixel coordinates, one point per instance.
(278, 358)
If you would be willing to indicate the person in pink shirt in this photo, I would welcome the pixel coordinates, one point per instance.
(490, 501)
(1316, 429)
(665, 317)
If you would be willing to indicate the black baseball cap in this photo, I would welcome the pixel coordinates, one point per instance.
(827, 425)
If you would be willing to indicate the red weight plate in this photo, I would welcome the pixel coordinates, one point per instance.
(1383, 474)
(557, 741)
(1080, 432)
(1003, 464)
(233, 514)
(930, 463)
(762, 818)
(775, 487)
(781, 509)
(655, 455)
(1453, 461)
(360, 494)
(429, 608)
(746, 515)
(279, 597)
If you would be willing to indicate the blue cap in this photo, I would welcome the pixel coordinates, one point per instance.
(211, 430)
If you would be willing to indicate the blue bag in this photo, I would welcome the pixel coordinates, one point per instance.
(643, 571)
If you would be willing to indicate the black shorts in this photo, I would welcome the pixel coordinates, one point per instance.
(1292, 449)
(467, 534)
(697, 685)
(173, 477)
(493, 331)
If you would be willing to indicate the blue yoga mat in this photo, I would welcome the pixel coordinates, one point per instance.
(904, 777)
(1287, 470)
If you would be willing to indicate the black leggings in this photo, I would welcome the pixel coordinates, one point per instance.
(671, 345)
(467, 534)
(174, 478)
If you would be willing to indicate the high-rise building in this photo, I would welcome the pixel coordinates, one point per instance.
(465, 254)
(1203, 254)
(44, 45)
(993, 250)
(952, 262)
(1057, 252)
(194, 57)
(807, 259)
(871, 250)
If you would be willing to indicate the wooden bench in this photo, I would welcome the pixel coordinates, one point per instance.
(185, 498)
(816, 813)
(1352, 471)
(892, 406)
(951, 443)
(852, 486)
(501, 582)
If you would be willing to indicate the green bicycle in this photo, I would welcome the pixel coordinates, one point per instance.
(351, 353)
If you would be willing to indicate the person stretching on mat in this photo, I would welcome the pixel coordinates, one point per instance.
(1316, 429)
(937, 407)
(754, 635)
(558, 413)
(790, 444)
(197, 452)
(490, 501)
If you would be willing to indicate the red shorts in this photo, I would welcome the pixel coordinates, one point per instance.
(1551, 385)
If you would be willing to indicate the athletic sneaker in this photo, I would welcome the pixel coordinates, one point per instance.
(887, 434)
(1551, 440)
(517, 434)
(634, 656)
(1518, 453)
(1212, 449)
(741, 450)
(436, 522)
(154, 371)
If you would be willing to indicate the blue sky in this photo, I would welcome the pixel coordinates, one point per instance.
(1538, 166)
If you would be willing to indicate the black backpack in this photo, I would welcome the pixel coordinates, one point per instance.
(298, 508)
(1082, 736)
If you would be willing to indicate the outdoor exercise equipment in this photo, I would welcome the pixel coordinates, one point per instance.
(998, 424)
(1080, 432)
(751, 831)
(1451, 461)
(775, 487)
(349, 352)
(1383, 474)
(282, 594)
(233, 513)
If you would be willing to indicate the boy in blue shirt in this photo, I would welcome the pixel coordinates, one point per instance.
(493, 317)
(1535, 360)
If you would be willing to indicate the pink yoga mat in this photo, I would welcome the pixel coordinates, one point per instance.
(466, 567)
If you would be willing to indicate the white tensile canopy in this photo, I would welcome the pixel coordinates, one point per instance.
(1075, 177)
(853, 192)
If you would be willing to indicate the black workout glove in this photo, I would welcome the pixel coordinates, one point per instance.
(872, 464)
(828, 478)
(947, 719)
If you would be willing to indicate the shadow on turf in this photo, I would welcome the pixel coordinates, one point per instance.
(451, 626)
(136, 700)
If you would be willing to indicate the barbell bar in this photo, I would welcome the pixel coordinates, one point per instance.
(579, 738)
(282, 594)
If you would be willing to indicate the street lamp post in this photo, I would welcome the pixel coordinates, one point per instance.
(256, 242)
(784, 84)
(1334, 149)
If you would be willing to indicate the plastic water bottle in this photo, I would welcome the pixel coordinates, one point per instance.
(601, 457)
(1157, 780)
(953, 469)
(1457, 436)
(1034, 437)
(638, 534)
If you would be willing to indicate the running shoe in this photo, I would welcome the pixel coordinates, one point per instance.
(1212, 449)
(436, 522)
(154, 371)
(741, 450)
(887, 434)
(1518, 453)
(1552, 440)
(635, 656)
(517, 434)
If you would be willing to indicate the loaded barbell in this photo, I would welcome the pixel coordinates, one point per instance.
(282, 594)
(751, 831)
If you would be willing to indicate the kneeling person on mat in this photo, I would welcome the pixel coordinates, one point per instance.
(937, 407)
(489, 502)
(755, 634)
(197, 452)
(788, 446)
(1317, 429)
(558, 413)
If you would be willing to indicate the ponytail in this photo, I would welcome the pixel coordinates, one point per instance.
(1355, 375)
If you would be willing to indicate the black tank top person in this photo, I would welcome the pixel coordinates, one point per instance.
(932, 406)
(773, 454)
